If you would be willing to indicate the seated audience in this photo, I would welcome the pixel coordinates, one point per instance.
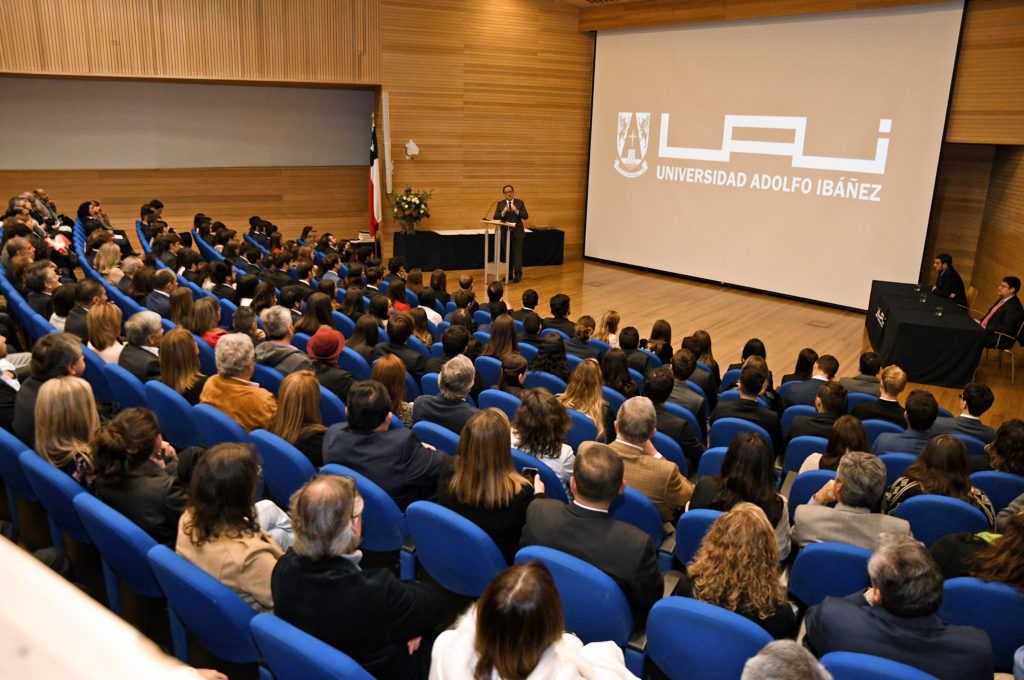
(182, 306)
(658, 388)
(682, 366)
(804, 366)
(159, 300)
(395, 459)
(893, 382)
(584, 394)
(1005, 453)
(975, 399)
(141, 356)
(108, 263)
(53, 356)
(540, 428)
(389, 371)
(830, 404)
(428, 300)
(513, 373)
(577, 344)
(66, 420)
(396, 293)
(857, 488)
(867, 381)
(896, 618)
(420, 329)
(40, 282)
(615, 373)
(439, 282)
(707, 380)
(752, 348)
(551, 357)
(503, 339)
(317, 314)
(482, 485)
(63, 302)
(531, 330)
(399, 329)
(205, 317)
(516, 630)
(660, 342)
(448, 409)
(629, 341)
(232, 391)
(784, 660)
(804, 392)
(104, 324)
(987, 556)
(737, 568)
(179, 364)
(278, 352)
(559, 319)
(322, 567)
(608, 328)
(88, 294)
(364, 337)
(920, 412)
(297, 420)
(753, 378)
(705, 356)
(848, 434)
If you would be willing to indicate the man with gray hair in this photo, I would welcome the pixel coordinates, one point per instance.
(384, 624)
(784, 660)
(449, 408)
(645, 469)
(895, 618)
(857, 488)
(141, 356)
(278, 352)
(231, 390)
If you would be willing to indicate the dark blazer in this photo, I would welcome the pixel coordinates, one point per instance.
(880, 410)
(306, 289)
(781, 624)
(169, 259)
(520, 314)
(1006, 319)
(679, 431)
(434, 365)
(335, 379)
(370, 292)
(865, 384)
(279, 278)
(415, 363)
(367, 613)
(511, 216)
(140, 362)
(530, 339)
(75, 322)
(150, 496)
(908, 441)
(311, 444)
(818, 425)
(395, 460)
(581, 349)
(246, 266)
(692, 402)
(125, 283)
(949, 284)
(41, 303)
(25, 411)
(559, 323)
(638, 361)
(618, 549)
(803, 392)
(748, 409)
(850, 624)
(964, 425)
(223, 290)
(160, 303)
(448, 413)
(706, 381)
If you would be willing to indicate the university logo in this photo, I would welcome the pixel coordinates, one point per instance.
(632, 138)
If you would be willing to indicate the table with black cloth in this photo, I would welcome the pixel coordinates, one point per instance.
(933, 350)
(430, 250)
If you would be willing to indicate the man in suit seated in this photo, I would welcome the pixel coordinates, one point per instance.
(531, 330)
(323, 567)
(495, 291)
(141, 356)
(88, 293)
(232, 391)
(463, 299)
(857, 488)
(454, 341)
(530, 300)
(54, 355)
(40, 282)
(577, 344)
(683, 364)
(974, 401)
(159, 301)
(948, 283)
(753, 379)
(658, 386)
(805, 391)
(249, 260)
(645, 470)
(1005, 316)
(304, 279)
(559, 319)
(399, 331)
(629, 343)
(396, 269)
(894, 380)
(223, 276)
(395, 460)
(129, 266)
(449, 409)
(921, 411)
(372, 290)
(583, 528)
(830, 404)
(867, 381)
(275, 270)
(278, 352)
(896, 617)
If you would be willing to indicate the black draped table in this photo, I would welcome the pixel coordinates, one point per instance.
(430, 250)
(933, 349)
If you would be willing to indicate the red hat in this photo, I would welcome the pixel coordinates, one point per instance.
(326, 344)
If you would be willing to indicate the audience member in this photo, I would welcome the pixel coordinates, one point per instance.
(1005, 453)
(805, 392)
(753, 378)
(530, 300)
(559, 319)
(66, 420)
(894, 380)
(867, 381)
(660, 342)
(551, 357)
(205, 320)
(448, 409)
(364, 337)
(317, 314)
(682, 366)
(104, 325)
(88, 294)
(847, 434)
(399, 329)
(583, 393)
(540, 428)
(804, 366)
(784, 660)
(920, 412)
(141, 356)
(53, 356)
(503, 339)
(830, 404)
(439, 282)
(577, 343)
(615, 373)
(629, 341)
(975, 399)
(513, 373)
(297, 420)
(389, 371)
(179, 365)
(658, 387)
(531, 330)
(231, 390)
(278, 352)
(159, 300)
(990, 557)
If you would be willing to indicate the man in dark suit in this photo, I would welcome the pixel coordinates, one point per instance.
(88, 293)
(399, 330)
(559, 319)
(129, 265)
(53, 356)
(513, 210)
(495, 292)
(683, 365)
(948, 283)
(223, 276)
(830, 403)
(894, 380)
(140, 356)
(371, 290)
(583, 528)
(1005, 316)
(368, 613)
(249, 260)
(753, 378)
(974, 401)
(159, 301)
(303, 279)
(805, 391)
(629, 342)
(449, 409)
(40, 281)
(454, 341)
(531, 330)
(276, 270)
(867, 381)
(395, 460)
(530, 300)
(658, 387)
(921, 411)
(396, 269)
(896, 618)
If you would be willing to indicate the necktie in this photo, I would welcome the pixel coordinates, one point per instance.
(984, 322)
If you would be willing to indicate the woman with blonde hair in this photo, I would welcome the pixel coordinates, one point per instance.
(205, 317)
(482, 485)
(103, 324)
(66, 420)
(179, 364)
(503, 339)
(584, 394)
(182, 306)
(389, 371)
(297, 420)
(108, 263)
(540, 428)
(737, 568)
(608, 328)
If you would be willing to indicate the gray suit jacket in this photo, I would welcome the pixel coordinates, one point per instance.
(844, 524)
(964, 425)
(867, 384)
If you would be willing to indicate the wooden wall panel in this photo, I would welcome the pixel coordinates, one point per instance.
(1001, 245)
(492, 93)
(300, 41)
(330, 198)
(958, 207)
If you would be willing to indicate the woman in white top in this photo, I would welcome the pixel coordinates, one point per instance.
(103, 324)
(516, 631)
(608, 328)
(848, 434)
(540, 428)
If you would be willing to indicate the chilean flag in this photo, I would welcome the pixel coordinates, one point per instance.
(375, 214)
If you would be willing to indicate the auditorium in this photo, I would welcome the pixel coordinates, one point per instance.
(512, 338)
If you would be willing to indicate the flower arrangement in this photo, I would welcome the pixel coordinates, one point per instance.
(410, 206)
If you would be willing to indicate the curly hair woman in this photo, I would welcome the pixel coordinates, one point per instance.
(540, 428)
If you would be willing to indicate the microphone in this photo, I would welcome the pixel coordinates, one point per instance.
(490, 211)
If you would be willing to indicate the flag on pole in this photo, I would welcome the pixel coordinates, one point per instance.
(375, 214)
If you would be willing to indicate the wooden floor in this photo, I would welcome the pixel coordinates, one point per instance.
(731, 317)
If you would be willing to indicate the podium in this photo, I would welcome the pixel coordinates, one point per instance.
(493, 265)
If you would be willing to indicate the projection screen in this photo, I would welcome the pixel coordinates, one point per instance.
(793, 155)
